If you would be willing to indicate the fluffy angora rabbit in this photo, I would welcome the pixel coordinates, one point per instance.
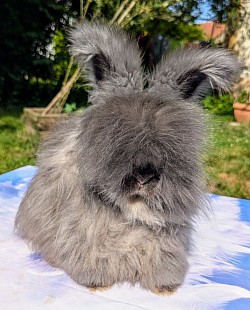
(118, 187)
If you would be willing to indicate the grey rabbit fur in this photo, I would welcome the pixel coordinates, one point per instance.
(118, 187)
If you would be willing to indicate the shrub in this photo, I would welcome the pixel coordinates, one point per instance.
(244, 97)
(219, 104)
(69, 107)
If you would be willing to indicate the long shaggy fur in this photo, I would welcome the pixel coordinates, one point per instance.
(117, 188)
(110, 58)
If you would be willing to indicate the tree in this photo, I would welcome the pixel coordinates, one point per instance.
(154, 17)
(26, 30)
(228, 12)
(236, 14)
(31, 68)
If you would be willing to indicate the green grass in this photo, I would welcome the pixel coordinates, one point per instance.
(17, 149)
(227, 160)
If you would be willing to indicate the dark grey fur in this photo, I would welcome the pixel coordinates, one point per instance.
(117, 188)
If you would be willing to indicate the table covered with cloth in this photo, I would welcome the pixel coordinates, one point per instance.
(218, 278)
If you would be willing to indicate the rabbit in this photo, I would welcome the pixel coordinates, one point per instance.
(118, 187)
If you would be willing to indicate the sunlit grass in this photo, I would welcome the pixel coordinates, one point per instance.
(16, 147)
(228, 159)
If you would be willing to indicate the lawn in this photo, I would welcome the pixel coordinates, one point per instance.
(16, 147)
(227, 159)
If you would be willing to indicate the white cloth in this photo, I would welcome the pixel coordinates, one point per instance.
(219, 275)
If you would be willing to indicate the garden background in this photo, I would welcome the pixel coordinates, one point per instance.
(35, 65)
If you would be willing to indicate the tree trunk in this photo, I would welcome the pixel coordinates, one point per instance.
(63, 92)
(240, 44)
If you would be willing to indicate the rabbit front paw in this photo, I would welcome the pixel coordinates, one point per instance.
(165, 290)
(95, 289)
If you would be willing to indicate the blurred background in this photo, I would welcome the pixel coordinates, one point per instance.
(40, 84)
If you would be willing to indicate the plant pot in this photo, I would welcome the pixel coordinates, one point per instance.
(242, 112)
(36, 122)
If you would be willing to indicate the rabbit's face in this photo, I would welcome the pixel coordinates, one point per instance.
(139, 148)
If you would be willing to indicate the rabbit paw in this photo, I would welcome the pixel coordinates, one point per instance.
(165, 290)
(95, 289)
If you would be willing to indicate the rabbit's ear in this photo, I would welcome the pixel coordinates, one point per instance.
(194, 72)
(112, 59)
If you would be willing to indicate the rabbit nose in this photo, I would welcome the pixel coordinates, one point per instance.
(145, 174)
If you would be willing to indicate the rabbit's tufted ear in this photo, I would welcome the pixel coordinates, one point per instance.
(193, 72)
(112, 59)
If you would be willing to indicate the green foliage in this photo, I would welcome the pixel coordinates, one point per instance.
(173, 19)
(61, 55)
(219, 104)
(227, 11)
(34, 54)
(70, 107)
(180, 31)
(26, 30)
(189, 32)
(244, 97)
